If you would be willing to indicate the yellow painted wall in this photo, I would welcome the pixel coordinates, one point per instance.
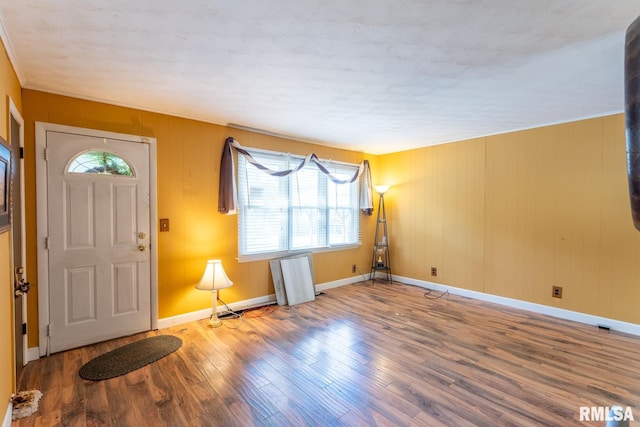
(515, 214)
(9, 87)
(434, 210)
(188, 166)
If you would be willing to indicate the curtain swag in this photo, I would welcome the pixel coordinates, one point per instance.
(227, 192)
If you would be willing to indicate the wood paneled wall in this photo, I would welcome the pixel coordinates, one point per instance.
(515, 214)
(435, 208)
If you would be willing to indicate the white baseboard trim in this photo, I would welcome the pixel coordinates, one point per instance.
(7, 416)
(244, 305)
(33, 353)
(589, 319)
(337, 283)
(193, 316)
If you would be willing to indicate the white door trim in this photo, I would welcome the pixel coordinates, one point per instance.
(15, 114)
(42, 222)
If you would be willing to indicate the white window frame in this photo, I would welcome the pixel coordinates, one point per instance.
(295, 159)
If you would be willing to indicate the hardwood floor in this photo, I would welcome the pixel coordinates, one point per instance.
(360, 355)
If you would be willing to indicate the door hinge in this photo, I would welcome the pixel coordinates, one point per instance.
(46, 154)
(49, 330)
(22, 152)
(24, 329)
(46, 242)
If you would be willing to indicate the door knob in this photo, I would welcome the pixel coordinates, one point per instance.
(142, 235)
(142, 247)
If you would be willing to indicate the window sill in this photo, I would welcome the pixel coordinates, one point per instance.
(282, 254)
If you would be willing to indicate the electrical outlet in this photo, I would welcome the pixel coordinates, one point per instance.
(353, 268)
(556, 291)
(434, 271)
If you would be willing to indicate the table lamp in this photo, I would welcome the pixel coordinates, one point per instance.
(214, 278)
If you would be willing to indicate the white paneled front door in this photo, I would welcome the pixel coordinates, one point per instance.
(99, 264)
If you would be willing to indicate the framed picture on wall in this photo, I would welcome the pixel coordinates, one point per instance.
(5, 186)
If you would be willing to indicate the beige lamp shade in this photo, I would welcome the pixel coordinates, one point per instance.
(381, 189)
(214, 277)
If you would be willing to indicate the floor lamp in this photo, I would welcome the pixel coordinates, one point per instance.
(381, 260)
(214, 278)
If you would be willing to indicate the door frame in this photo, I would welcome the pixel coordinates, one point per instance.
(14, 114)
(42, 207)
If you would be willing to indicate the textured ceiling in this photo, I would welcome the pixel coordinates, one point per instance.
(370, 75)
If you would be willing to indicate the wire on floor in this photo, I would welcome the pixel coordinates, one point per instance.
(364, 278)
(248, 313)
(427, 294)
(260, 311)
(231, 315)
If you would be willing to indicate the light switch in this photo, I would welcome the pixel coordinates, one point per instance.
(164, 224)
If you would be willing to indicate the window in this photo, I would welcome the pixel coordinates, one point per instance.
(100, 162)
(302, 211)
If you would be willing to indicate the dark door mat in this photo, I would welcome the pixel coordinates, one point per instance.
(129, 357)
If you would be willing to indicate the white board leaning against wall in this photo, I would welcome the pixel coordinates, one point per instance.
(293, 279)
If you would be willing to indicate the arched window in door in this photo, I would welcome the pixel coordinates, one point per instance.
(100, 162)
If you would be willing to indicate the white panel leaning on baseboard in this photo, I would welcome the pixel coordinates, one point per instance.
(278, 280)
(298, 282)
